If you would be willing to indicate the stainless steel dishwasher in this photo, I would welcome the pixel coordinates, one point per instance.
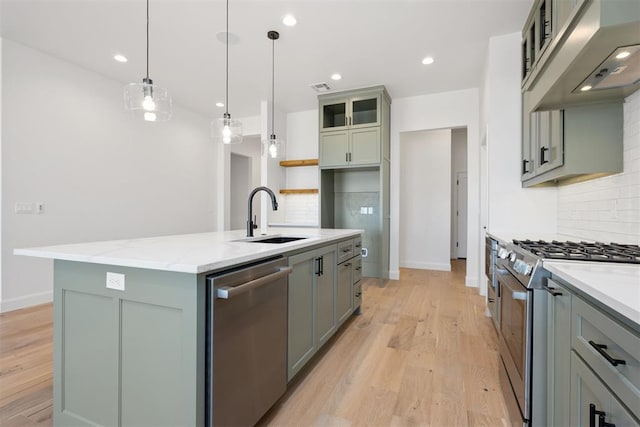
(246, 358)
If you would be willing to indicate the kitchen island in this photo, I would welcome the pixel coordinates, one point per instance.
(130, 320)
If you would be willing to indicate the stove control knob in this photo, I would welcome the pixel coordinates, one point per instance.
(503, 253)
(522, 267)
(513, 257)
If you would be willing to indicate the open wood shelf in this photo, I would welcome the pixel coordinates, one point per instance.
(299, 191)
(295, 163)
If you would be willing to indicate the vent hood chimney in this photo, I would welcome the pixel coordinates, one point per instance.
(596, 57)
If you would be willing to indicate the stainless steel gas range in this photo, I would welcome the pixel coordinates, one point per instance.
(522, 305)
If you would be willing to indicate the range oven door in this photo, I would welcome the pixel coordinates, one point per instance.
(515, 309)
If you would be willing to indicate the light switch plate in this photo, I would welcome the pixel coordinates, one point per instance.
(115, 281)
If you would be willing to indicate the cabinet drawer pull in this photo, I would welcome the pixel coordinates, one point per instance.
(345, 250)
(601, 414)
(600, 348)
(491, 299)
(552, 291)
(542, 159)
(525, 169)
(347, 264)
(358, 268)
(346, 157)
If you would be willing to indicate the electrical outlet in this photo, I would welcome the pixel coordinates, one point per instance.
(39, 207)
(115, 281)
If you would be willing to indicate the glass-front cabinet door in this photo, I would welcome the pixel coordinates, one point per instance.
(334, 115)
(365, 111)
(354, 112)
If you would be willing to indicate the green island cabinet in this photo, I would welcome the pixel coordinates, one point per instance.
(128, 358)
(593, 362)
(137, 357)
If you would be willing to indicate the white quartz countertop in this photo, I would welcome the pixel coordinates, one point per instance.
(188, 253)
(617, 286)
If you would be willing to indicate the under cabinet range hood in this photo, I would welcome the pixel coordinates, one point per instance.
(594, 58)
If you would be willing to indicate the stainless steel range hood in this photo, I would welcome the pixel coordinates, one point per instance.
(588, 51)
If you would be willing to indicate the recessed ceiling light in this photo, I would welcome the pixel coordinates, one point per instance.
(120, 58)
(289, 20)
(219, 104)
(585, 88)
(428, 60)
(623, 54)
(336, 76)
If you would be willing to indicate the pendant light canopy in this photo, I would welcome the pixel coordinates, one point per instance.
(146, 100)
(227, 130)
(273, 147)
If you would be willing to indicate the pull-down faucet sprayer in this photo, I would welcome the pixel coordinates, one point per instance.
(274, 204)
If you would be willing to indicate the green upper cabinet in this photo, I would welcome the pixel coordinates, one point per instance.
(351, 127)
(350, 112)
(577, 141)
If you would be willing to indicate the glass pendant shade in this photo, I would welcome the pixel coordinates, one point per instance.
(226, 130)
(273, 148)
(148, 101)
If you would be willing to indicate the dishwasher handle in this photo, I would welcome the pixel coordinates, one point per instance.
(227, 292)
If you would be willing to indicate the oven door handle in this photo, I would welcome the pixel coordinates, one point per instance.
(520, 296)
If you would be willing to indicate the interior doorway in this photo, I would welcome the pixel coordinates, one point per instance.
(240, 183)
(459, 186)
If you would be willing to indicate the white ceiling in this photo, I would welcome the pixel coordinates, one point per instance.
(368, 42)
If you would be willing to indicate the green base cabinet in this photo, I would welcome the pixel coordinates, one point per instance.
(558, 354)
(132, 357)
(593, 401)
(311, 309)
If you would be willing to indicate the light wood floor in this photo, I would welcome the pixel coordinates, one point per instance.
(421, 353)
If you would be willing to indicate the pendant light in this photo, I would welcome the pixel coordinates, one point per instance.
(273, 147)
(227, 130)
(146, 100)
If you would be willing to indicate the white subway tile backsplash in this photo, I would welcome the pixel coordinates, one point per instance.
(607, 209)
(301, 209)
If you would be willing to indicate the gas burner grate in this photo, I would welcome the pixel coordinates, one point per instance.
(582, 251)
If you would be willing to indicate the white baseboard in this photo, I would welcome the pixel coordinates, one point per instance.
(471, 282)
(426, 265)
(11, 304)
(394, 274)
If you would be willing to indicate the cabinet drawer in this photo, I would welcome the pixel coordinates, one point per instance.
(592, 331)
(345, 251)
(357, 269)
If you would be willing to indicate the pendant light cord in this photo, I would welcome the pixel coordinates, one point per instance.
(147, 39)
(227, 79)
(273, 79)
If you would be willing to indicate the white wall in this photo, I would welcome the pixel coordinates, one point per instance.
(458, 165)
(511, 207)
(1, 172)
(425, 199)
(430, 112)
(608, 209)
(67, 142)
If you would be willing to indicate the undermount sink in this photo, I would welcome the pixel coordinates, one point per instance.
(276, 239)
